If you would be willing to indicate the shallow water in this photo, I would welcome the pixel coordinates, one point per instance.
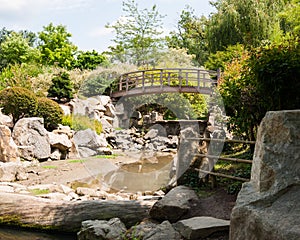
(20, 234)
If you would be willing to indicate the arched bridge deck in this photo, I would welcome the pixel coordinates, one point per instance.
(166, 80)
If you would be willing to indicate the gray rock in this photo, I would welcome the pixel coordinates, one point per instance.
(59, 141)
(32, 138)
(268, 206)
(88, 142)
(174, 205)
(5, 120)
(8, 149)
(164, 230)
(201, 227)
(139, 231)
(152, 133)
(10, 172)
(101, 230)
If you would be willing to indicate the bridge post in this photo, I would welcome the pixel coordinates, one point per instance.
(127, 83)
(161, 78)
(143, 80)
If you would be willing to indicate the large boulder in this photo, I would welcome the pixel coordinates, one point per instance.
(164, 230)
(101, 229)
(268, 206)
(8, 149)
(201, 227)
(89, 143)
(10, 172)
(175, 205)
(32, 138)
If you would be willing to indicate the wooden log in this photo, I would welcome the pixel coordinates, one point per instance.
(38, 213)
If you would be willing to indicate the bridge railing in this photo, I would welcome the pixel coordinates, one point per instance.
(171, 77)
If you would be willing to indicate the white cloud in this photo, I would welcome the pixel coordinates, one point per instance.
(100, 32)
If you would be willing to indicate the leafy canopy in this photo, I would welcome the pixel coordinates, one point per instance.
(55, 46)
(137, 35)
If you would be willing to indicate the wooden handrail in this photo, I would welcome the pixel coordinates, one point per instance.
(167, 77)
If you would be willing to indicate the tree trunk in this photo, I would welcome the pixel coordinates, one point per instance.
(35, 212)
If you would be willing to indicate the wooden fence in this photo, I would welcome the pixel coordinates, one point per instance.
(236, 160)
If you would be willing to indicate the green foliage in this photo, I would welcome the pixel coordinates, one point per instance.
(276, 68)
(99, 81)
(243, 21)
(55, 46)
(81, 122)
(190, 35)
(19, 102)
(51, 112)
(290, 18)
(89, 60)
(16, 50)
(219, 59)
(61, 87)
(20, 75)
(137, 35)
(265, 79)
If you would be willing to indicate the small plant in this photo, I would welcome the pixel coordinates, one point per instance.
(76, 161)
(61, 87)
(49, 167)
(107, 156)
(38, 191)
(82, 122)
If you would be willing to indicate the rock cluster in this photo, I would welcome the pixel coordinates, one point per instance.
(152, 141)
(160, 226)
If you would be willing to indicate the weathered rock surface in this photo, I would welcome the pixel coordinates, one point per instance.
(8, 149)
(174, 205)
(10, 172)
(32, 138)
(67, 215)
(89, 142)
(5, 120)
(201, 227)
(268, 207)
(101, 229)
(164, 230)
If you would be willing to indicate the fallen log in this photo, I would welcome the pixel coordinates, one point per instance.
(38, 213)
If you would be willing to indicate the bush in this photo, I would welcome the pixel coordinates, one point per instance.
(19, 102)
(81, 122)
(51, 112)
(61, 87)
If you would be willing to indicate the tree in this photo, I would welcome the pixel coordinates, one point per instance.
(263, 79)
(290, 18)
(55, 46)
(89, 60)
(243, 21)
(190, 35)
(61, 87)
(137, 35)
(19, 102)
(16, 50)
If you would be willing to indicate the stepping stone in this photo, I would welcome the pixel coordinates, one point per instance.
(201, 227)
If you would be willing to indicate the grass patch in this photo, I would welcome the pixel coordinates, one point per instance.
(38, 191)
(108, 156)
(49, 167)
(76, 161)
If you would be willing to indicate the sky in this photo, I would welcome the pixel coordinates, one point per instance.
(86, 19)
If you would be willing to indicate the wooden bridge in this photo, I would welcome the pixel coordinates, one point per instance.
(165, 80)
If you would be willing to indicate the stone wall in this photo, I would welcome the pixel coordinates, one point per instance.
(268, 206)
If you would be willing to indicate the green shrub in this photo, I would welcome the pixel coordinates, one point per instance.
(61, 87)
(82, 122)
(51, 112)
(19, 102)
